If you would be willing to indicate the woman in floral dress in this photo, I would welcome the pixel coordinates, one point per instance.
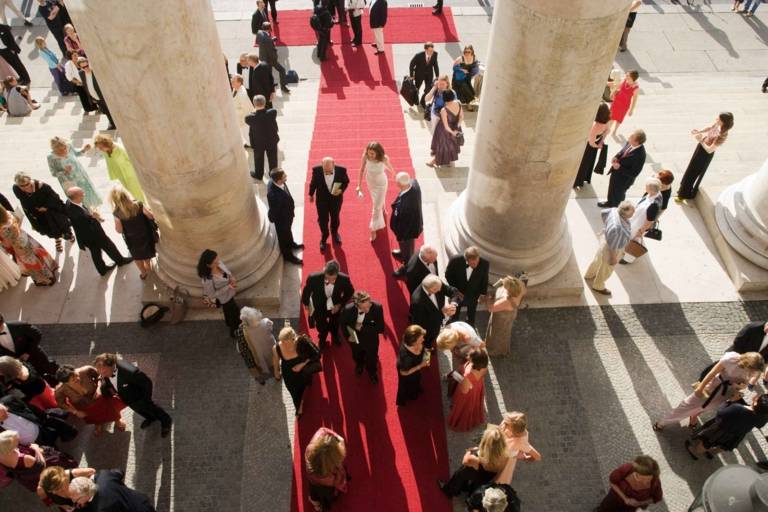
(33, 260)
(64, 166)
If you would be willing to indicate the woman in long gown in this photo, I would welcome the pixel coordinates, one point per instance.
(445, 142)
(709, 139)
(480, 465)
(503, 308)
(44, 208)
(119, 166)
(373, 168)
(460, 338)
(411, 359)
(65, 167)
(32, 259)
(287, 363)
(464, 69)
(78, 394)
(595, 144)
(22, 376)
(468, 409)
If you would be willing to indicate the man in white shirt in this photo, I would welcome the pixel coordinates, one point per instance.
(361, 324)
(243, 106)
(419, 266)
(91, 86)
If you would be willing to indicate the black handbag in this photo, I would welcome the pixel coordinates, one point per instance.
(460, 138)
(654, 233)
(409, 92)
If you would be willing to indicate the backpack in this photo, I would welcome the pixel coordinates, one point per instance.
(314, 22)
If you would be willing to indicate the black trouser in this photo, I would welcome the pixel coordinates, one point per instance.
(13, 60)
(465, 480)
(104, 109)
(328, 212)
(151, 411)
(271, 10)
(471, 303)
(342, 13)
(617, 189)
(357, 28)
(85, 99)
(694, 173)
(231, 315)
(280, 70)
(258, 158)
(417, 81)
(285, 239)
(366, 356)
(323, 41)
(106, 245)
(439, 5)
(406, 249)
(325, 323)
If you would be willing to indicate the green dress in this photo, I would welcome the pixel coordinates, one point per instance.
(120, 168)
(76, 177)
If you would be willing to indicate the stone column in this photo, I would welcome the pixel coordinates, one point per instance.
(547, 65)
(161, 69)
(742, 216)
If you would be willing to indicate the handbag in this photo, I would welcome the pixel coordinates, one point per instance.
(635, 248)
(460, 138)
(409, 92)
(151, 226)
(653, 232)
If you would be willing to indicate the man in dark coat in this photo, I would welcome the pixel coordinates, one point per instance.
(263, 133)
(324, 294)
(9, 51)
(260, 16)
(627, 165)
(406, 220)
(378, 21)
(323, 30)
(753, 337)
(107, 492)
(423, 69)
(281, 213)
(429, 309)
(419, 266)
(49, 425)
(22, 341)
(260, 79)
(134, 388)
(365, 319)
(268, 53)
(91, 85)
(89, 233)
(329, 181)
(468, 273)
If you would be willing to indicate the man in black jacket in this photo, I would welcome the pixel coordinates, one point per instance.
(429, 309)
(281, 213)
(107, 492)
(261, 79)
(626, 166)
(424, 69)
(366, 319)
(22, 341)
(324, 294)
(406, 220)
(468, 273)
(9, 51)
(90, 234)
(263, 132)
(753, 337)
(329, 181)
(259, 17)
(323, 31)
(419, 266)
(91, 85)
(268, 53)
(33, 425)
(134, 388)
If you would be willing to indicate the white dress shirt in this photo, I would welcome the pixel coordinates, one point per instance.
(6, 340)
(91, 88)
(113, 380)
(433, 298)
(329, 180)
(469, 272)
(360, 317)
(328, 295)
(764, 343)
(27, 430)
(430, 266)
(70, 71)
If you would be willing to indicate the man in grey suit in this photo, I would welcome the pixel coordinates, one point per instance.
(268, 52)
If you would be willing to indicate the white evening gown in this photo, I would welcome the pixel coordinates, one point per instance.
(376, 178)
(9, 271)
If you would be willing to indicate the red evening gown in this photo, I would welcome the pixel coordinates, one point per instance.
(622, 101)
(468, 410)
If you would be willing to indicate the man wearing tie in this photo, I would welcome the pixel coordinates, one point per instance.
(281, 213)
(261, 79)
(423, 70)
(429, 309)
(419, 266)
(90, 234)
(406, 220)
(21, 340)
(329, 181)
(366, 319)
(324, 294)
(263, 133)
(626, 166)
(260, 16)
(468, 273)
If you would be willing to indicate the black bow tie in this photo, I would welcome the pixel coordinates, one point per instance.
(4, 332)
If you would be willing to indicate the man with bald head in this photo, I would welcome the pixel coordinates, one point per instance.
(329, 181)
(90, 234)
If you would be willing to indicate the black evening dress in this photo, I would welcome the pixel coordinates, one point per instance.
(408, 386)
(139, 235)
(294, 381)
(54, 221)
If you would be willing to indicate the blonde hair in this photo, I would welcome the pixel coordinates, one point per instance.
(53, 478)
(124, 205)
(287, 333)
(69, 26)
(58, 142)
(9, 440)
(492, 450)
(513, 285)
(104, 139)
(40, 42)
(447, 339)
(324, 454)
(10, 367)
(752, 361)
(22, 179)
(516, 422)
(4, 215)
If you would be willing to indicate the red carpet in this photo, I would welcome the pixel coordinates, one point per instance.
(394, 456)
(294, 29)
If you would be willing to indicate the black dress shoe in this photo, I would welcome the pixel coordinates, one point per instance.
(603, 204)
(125, 261)
(374, 379)
(107, 269)
(378, 52)
(28, 23)
(285, 90)
(323, 246)
(297, 246)
(437, 12)
(111, 127)
(399, 272)
(256, 176)
(145, 424)
(294, 260)
(337, 238)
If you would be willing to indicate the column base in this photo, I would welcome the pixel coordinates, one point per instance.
(739, 226)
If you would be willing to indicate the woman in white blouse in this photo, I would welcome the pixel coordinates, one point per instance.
(219, 288)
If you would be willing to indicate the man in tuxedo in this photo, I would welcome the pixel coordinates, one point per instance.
(378, 21)
(261, 79)
(329, 181)
(281, 213)
(419, 266)
(22, 341)
(268, 53)
(263, 134)
(33, 425)
(90, 234)
(468, 273)
(107, 492)
(121, 378)
(366, 319)
(10, 51)
(323, 29)
(406, 220)
(244, 69)
(753, 337)
(429, 309)
(260, 16)
(423, 70)
(626, 166)
(93, 91)
(324, 294)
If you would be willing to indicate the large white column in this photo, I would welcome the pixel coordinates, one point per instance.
(742, 216)
(161, 69)
(546, 68)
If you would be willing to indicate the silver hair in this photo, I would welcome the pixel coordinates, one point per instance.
(494, 500)
(7, 441)
(430, 281)
(654, 183)
(250, 316)
(328, 159)
(626, 209)
(259, 101)
(425, 249)
(82, 486)
(403, 178)
(21, 178)
(239, 78)
(10, 367)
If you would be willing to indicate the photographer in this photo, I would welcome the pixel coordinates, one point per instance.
(503, 308)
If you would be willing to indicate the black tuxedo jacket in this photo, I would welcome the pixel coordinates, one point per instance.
(406, 221)
(456, 275)
(20, 408)
(317, 184)
(50, 423)
(258, 19)
(749, 339)
(133, 385)
(263, 82)
(280, 203)
(373, 325)
(7, 37)
(379, 14)
(88, 230)
(95, 86)
(315, 288)
(262, 128)
(416, 271)
(420, 70)
(114, 496)
(630, 166)
(424, 313)
(26, 339)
